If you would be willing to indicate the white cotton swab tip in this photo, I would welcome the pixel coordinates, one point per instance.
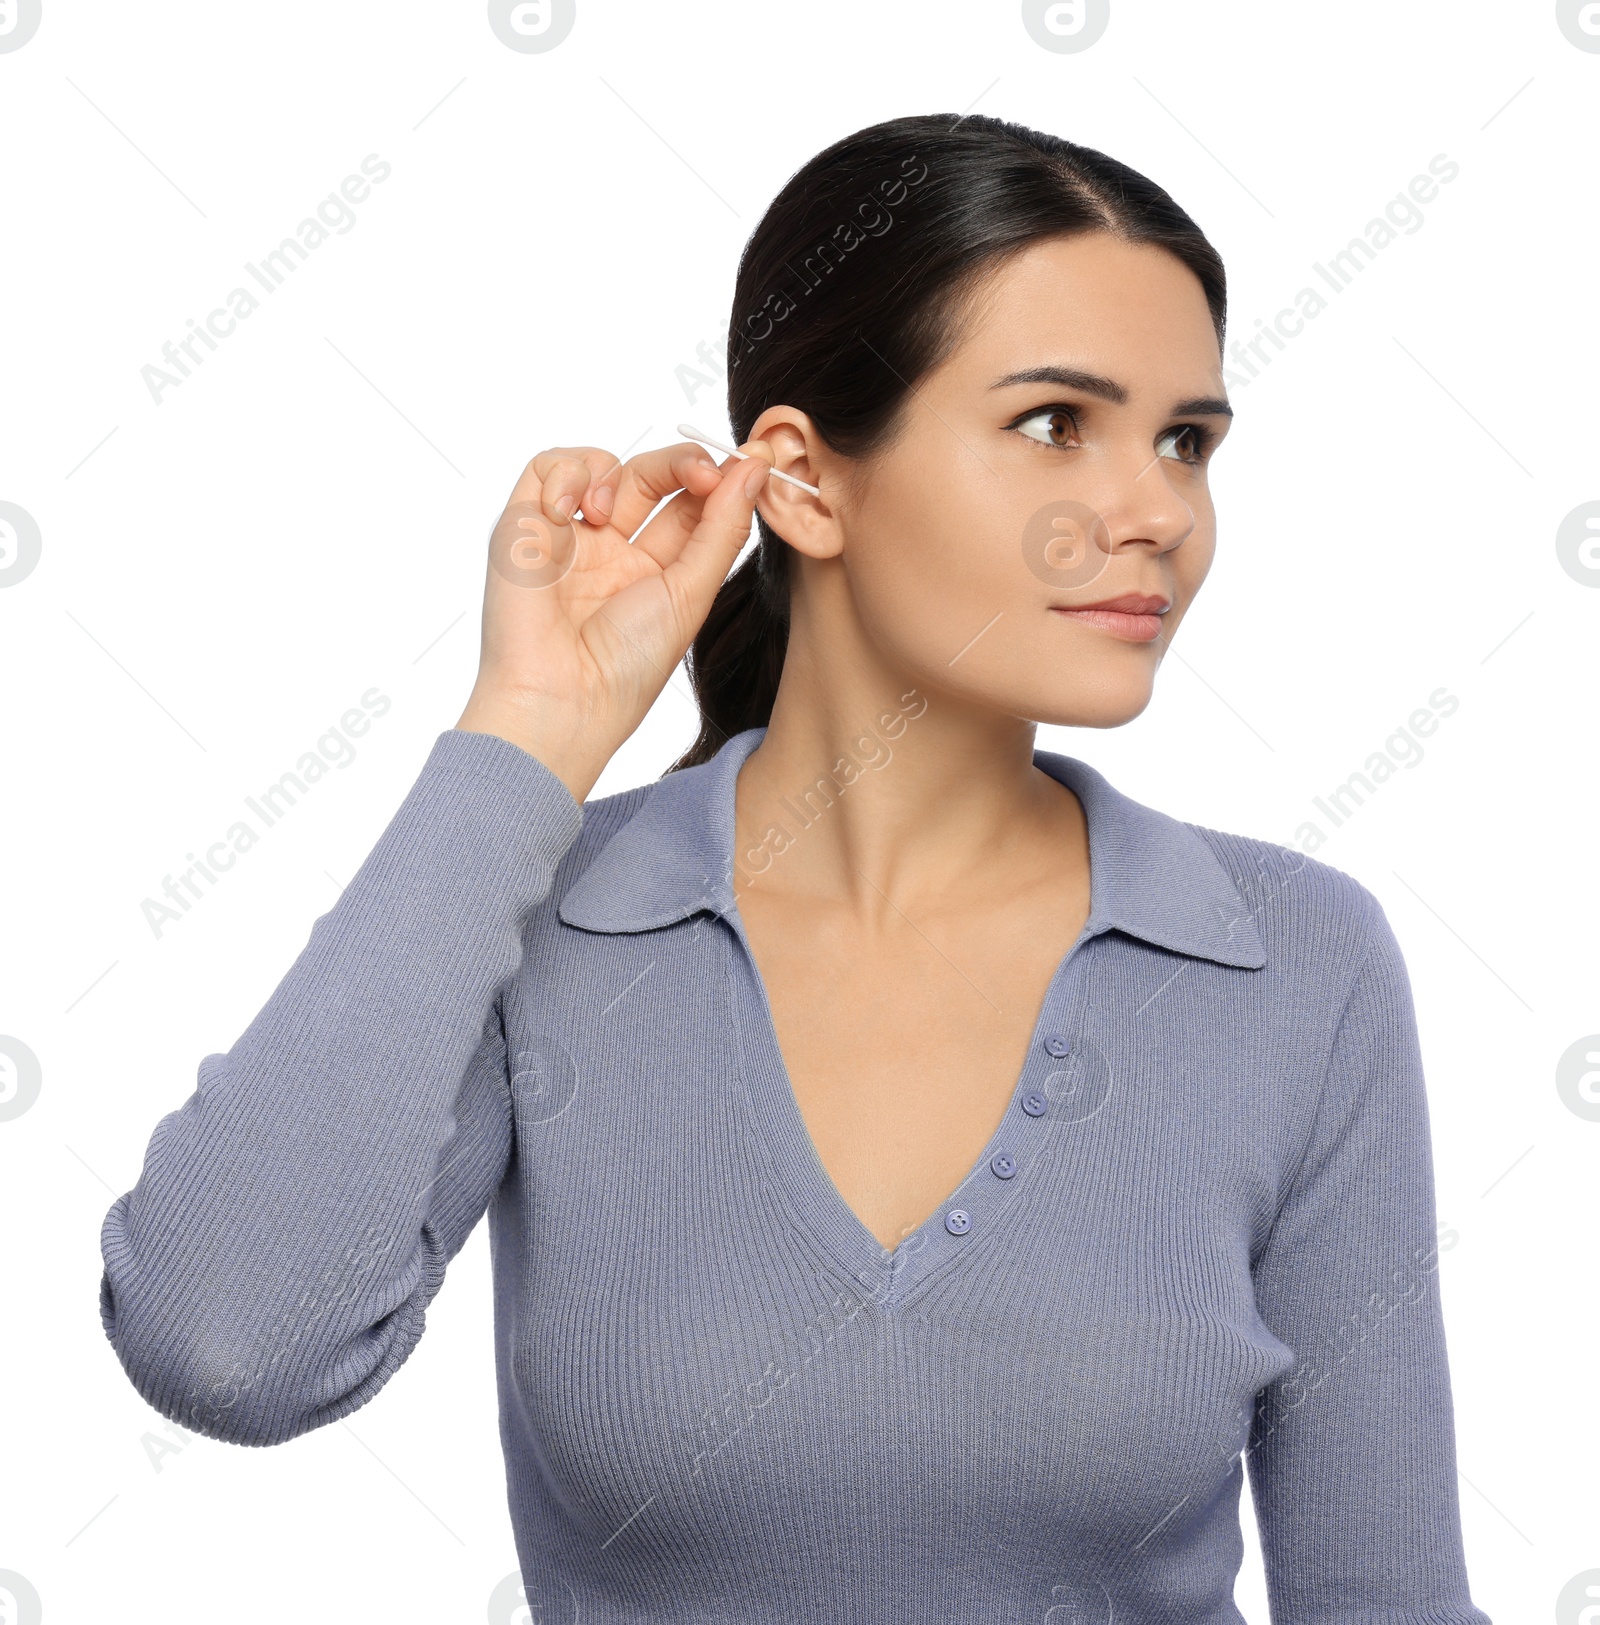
(689, 432)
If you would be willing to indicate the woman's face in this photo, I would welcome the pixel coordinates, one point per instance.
(1057, 458)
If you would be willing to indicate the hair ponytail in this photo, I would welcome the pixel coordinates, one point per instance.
(737, 655)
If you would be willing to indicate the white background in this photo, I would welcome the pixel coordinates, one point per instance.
(305, 518)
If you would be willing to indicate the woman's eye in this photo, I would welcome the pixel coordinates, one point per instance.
(1052, 427)
(1189, 440)
(1058, 426)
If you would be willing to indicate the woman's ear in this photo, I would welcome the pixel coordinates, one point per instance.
(807, 523)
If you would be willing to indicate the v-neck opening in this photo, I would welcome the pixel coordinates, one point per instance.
(960, 1219)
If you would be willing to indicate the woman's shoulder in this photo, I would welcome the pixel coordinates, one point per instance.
(1303, 907)
(1272, 899)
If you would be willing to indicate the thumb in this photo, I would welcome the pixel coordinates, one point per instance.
(694, 577)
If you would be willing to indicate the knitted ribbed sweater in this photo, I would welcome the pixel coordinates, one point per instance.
(1201, 1243)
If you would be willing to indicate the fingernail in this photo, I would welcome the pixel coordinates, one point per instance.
(561, 508)
(754, 475)
(602, 498)
(705, 462)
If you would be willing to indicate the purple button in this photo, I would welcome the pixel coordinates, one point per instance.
(1004, 1164)
(958, 1221)
(1035, 1104)
(1057, 1046)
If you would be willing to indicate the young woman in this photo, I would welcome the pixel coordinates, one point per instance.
(922, 1180)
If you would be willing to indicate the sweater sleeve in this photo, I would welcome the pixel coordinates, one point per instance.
(271, 1268)
(1352, 1452)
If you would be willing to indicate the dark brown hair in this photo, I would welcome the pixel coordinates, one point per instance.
(853, 286)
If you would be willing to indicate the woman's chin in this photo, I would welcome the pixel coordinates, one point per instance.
(1094, 704)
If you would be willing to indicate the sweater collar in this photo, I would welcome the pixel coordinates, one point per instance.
(1151, 876)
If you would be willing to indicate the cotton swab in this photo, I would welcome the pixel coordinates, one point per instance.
(689, 432)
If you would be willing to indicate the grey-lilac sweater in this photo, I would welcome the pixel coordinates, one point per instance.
(1200, 1245)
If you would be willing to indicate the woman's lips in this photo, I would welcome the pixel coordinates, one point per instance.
(1135, 628)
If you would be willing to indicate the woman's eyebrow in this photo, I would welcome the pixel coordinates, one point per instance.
(1094, 383)
(1202, 406)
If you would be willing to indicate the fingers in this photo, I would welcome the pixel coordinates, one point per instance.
(557, 479)
(640, 483)
(565, 479)
(663, 538)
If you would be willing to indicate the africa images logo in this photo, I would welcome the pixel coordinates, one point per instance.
(19, 22)
(20, 544)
